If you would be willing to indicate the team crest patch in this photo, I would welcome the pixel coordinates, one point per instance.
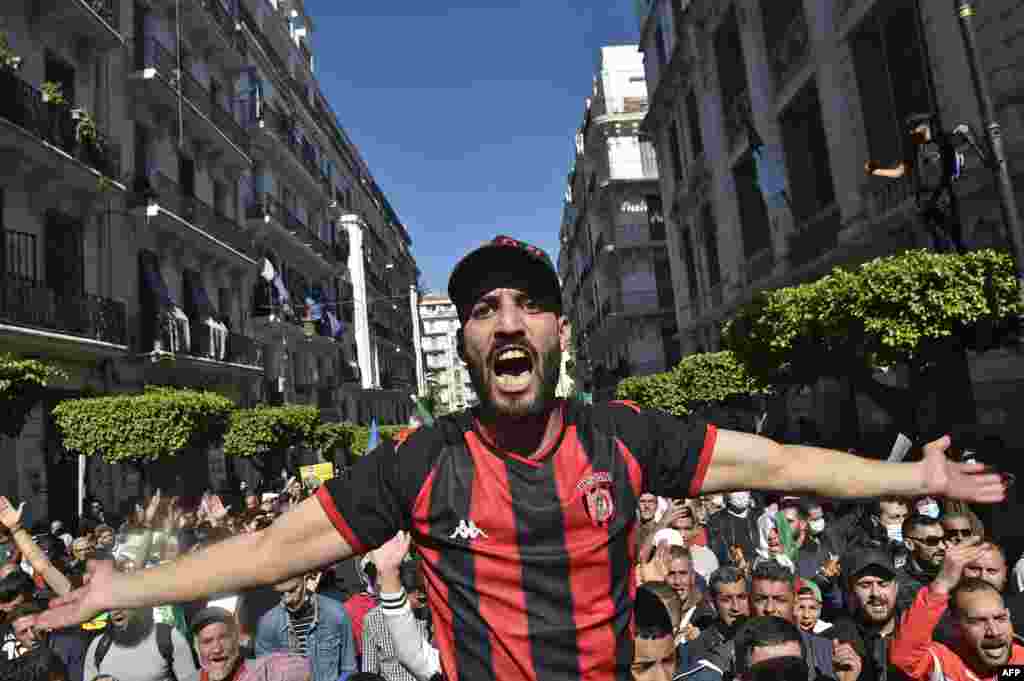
(597, 497)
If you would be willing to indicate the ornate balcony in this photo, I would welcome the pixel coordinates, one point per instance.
(191, 218)
(55, 128)
(90, 22)
(32, 304)
(158, 80)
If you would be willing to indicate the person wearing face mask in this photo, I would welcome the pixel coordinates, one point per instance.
(736, 526)
(928, 506)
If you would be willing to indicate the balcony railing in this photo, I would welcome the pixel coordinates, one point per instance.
(150, 54)
(791, 50)
(815, 237)
(249, 21)
(196, 212)
(223, 19)
(239, 349)
(32, 303)
(57, 124)
(106, 10)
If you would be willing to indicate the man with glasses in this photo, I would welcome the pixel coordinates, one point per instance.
(926, 541)
(957, 527)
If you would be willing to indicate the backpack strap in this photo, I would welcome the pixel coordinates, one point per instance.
(166, 646)
(102, 648)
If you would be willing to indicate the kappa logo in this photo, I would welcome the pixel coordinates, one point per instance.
(467, 531)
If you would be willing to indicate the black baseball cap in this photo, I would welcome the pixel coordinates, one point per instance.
(211, 615)
(860, 560)
(503, 262)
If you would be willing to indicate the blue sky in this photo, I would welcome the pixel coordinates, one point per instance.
(465, 112)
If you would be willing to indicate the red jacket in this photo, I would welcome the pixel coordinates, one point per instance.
(357, 606)
(914, 652)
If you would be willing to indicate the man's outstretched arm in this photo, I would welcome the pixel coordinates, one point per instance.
(297, 542)
(741, 461)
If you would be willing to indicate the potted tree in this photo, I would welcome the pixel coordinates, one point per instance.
(53, 96)
(87, 138)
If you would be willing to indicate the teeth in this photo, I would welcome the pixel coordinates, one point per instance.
(511, 353)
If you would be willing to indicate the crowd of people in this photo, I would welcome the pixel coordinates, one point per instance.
(533, 539)
(887, 590)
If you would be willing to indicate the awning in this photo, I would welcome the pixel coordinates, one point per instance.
(335, 327)
(153, 279)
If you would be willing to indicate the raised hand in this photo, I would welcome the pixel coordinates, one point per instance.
(10, 516)
(152, 510)
(846, 663)
(83, 604)
(974, 482)
(218, 511)
(390, 556)
(957, 557)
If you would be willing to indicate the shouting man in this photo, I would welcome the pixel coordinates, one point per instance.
(522, 508)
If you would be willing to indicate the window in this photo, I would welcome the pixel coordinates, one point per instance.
(675, 151)
(655, 218)
(892, 75)
(807, 158)
(693, 121)
(690, 263)
(754, 221)
(186, 175)
(220, 198)
(710, 234)
(732, 76)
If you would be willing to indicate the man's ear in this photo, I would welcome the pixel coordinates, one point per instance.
(564, 332)
(460, 345)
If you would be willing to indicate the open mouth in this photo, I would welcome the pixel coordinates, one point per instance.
(994, 650)
(512, 367)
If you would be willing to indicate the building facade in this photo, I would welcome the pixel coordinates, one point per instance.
(613, 260)
(442, 365)
(180, 206)
(764, 113)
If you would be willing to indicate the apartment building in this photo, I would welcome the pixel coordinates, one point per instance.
(764, 112)
(442, 365)
(613, 259)
(180, 206)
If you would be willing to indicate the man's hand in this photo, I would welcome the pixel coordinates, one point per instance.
(10, 516)
(675, 512)
(957, 557)
(846, 663)
(389, 557)
(973, 482)
(870, 167)
(218, 511)
(152, 510)
(83, 604)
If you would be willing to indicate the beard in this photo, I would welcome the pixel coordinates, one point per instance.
(221, 673)
(876, 613)
(548, 365)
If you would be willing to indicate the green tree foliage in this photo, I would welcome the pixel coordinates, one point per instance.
(144, 427)
(272, 429)
(882, 313)
(696, 383)
(361, 436)
(329, 438)
(22, 385)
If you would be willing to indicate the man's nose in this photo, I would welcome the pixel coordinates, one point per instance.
(509, 318)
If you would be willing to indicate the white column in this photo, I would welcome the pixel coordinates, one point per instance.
(364, 348)
(414, 304)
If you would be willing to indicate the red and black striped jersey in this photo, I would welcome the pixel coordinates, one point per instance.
(528, 561)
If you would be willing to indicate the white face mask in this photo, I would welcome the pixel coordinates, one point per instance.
(738, 501)
(895, 532)
(817, 526)
(931, 510)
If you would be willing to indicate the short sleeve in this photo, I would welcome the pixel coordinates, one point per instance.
(673, 453)
(375, 501)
